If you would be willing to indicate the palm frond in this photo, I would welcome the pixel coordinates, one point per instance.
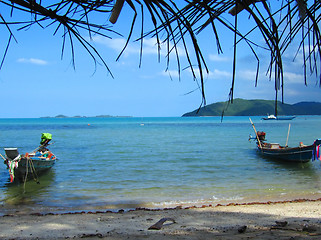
(179, 23)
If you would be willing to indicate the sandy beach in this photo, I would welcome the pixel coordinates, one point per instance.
(298, 219)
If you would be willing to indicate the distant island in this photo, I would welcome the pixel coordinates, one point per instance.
(242, 107)
(99, 116)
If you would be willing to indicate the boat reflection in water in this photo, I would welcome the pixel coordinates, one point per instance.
(29, 196)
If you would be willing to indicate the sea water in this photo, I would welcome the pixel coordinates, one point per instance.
(127, 163)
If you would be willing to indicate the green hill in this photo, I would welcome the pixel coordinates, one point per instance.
(242, 107)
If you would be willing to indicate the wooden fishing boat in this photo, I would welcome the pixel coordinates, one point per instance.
(32, 164)
(301, 154)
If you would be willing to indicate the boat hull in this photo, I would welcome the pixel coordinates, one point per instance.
(296, 154)
(32, 167)
(279, 118)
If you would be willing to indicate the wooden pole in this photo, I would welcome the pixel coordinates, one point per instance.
(286, 144)
(2, 157)
(257, 137)
(116, 11)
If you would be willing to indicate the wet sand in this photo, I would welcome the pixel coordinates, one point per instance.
(298, 219)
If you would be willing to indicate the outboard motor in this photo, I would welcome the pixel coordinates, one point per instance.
(261, 136)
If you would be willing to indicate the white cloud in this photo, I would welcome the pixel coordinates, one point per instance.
(150, 46)
(218, 74)
(214, 74)
(218, 58)
(33, 61)
(290, 77)
(115, 44)
(171, 73)
(247, 74)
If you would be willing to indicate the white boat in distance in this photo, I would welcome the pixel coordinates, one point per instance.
(273, 117)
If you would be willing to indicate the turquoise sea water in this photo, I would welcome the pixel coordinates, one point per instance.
(124, 163)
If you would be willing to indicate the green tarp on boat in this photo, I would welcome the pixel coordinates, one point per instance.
(45, 137)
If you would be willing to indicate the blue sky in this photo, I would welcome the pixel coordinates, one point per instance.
(36, 82)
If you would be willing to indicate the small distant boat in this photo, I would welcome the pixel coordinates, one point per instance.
(300, 154)
(273, 117)
(32, 164)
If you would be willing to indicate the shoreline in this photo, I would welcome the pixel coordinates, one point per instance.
(99, 210)
(299, 219)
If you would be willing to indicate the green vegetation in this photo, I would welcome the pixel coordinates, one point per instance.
(242, 107)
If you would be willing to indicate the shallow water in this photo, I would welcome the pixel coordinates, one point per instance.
(122, 163)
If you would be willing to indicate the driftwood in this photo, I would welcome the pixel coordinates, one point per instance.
(159, 224)
(281, 223)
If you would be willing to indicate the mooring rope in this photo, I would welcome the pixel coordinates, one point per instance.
(33, 171)
(25, 180)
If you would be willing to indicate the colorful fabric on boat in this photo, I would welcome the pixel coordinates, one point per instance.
(316, 153)
(51, 156)
(12, 166)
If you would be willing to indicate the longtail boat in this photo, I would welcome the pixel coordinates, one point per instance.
(31, 164)
(300, 154)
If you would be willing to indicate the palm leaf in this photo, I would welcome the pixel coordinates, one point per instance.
(179, 23)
